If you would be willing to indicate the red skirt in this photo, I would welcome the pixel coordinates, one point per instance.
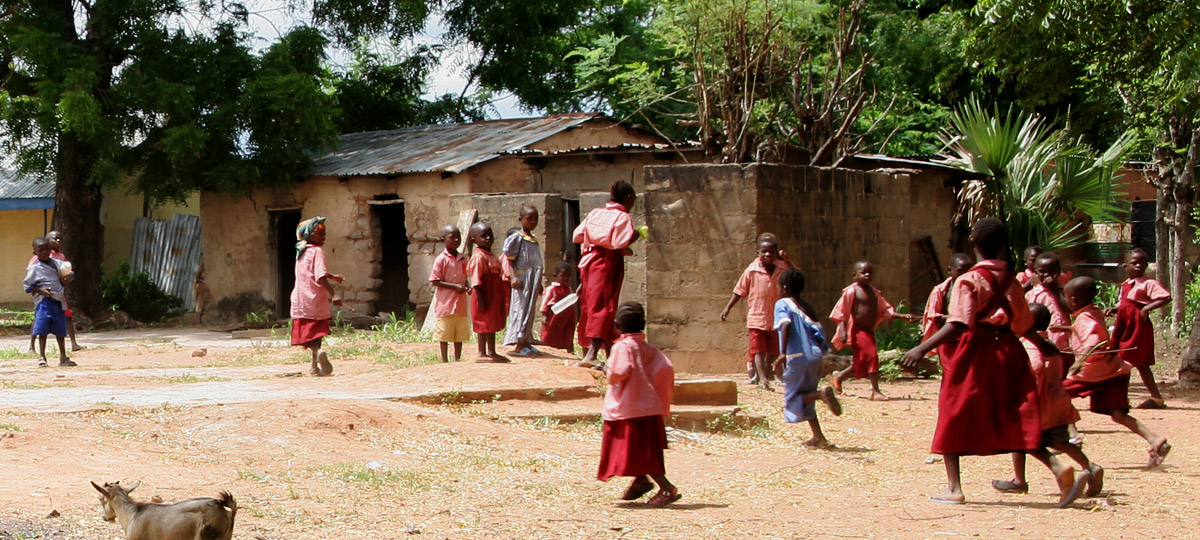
(559, 330)
(1106, 396)
(306, 331)
(633, 447)
(496, 295)
(988, 403)
(866, 355)
(764, 342)
(599, 292)
(1131, 329)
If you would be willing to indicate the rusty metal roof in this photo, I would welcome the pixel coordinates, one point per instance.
(451, 148)
(601, 149)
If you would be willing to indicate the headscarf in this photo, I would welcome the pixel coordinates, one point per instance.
(305, 231)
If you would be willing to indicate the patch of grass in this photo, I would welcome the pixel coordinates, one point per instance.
(401, 330)
(13, 385)
(11, 427)
(397, 360)
(727, 424)
(7, 353)
(189, 378)
(381, 478)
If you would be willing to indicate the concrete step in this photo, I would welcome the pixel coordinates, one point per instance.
(686, 417)
(487, 395)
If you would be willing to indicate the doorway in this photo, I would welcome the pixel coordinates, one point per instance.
(388, 212)
(571, 251)
(283, 236)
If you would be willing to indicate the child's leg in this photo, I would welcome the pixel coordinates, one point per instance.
(876, 393)
(481, 341)
(953, 493)
(818, 439)
(663, 483)
(32, 343)
(62, 349)
(1151, 384)
(445, 347)
(589, 355)
(762, 368)
(457, 351)
(1018, 484)
(1070, 486)
(42, 348)
(1096, 482)
(71, 332)
(1158, 444)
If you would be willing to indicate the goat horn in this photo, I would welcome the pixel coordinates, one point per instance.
(98, 488)
(134, 486)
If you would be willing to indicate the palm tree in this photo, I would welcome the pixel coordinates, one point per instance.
(1038, 180)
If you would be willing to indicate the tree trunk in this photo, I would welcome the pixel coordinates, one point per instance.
(1189, 365)
(77, 217)
(1162, 235)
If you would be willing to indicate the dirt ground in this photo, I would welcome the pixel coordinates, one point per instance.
(304, 467)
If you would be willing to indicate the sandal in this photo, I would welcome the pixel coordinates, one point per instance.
(42, 363)
(636, 491)
(1159, 454)
(67, 362)
(1096, 482)
(663, 498)
(1152, 403)
(944, 499)
(1009, 486)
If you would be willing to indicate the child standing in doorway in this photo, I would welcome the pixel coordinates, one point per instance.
(489, 293)
(524, 257)
(1133, 334)
(759, 285)
(802, 342)
(45, 279)
(558, 330)
(449, 278)
(313, 293)
(858, 313)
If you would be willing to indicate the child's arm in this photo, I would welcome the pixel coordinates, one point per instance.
(948, 332)
(333, 295)
(448, 285)
(1149, 308)
(783, 328)
(732, 300)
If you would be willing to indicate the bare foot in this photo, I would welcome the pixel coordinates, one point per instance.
(323, 362)
(948, 497)
(1070, 486)
(837, 385)
(500, 358)
(1096, 482)
(1158, 453)
(878, 396)
(816, 442)
(77, 347)
(830, 399)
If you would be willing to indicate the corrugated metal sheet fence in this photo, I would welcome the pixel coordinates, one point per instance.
(169, 251)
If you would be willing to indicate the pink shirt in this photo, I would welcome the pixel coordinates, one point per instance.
(760, 290)
(1142, 290)
(1026, 276)
(972, 292)
(483, 262)
(1053, 402)
(451, 269)
(309, 299)
(843, 312)
(640, 380)
(933, 308)
(1087, 334)
(609, 228)
(1039, 294)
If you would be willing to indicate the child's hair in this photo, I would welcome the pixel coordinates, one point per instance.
(39, 241)
(512, 231)
(1041, 316)
(527, 210)
(990, 237)
(631, 317)
(1034, 251)
(1136, 249)
(768, 239)
(563, 266)
(1083, 288)
(960, 258)
(448, 230)
(478, 227)
(1048, 257)
(792, 281)
(620, 191)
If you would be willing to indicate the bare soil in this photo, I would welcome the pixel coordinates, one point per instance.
(304, 465)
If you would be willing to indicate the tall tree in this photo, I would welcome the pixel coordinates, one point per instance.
(94, 90)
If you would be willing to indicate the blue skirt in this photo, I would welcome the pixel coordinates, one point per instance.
(48, 318)
(801, 376)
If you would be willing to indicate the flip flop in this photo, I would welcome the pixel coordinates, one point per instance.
(1158, 455)
(939, 499)
(523, 352)
(637, 490)
(67, 362)
(1096, 482)
(830, 398)
(663, 498)
(42, 363)
(1152, 404)
(1008, 486)
(1082, 479)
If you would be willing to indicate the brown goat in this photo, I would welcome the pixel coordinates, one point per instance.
(203, 518)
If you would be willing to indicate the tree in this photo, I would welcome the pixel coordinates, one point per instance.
(94, 91)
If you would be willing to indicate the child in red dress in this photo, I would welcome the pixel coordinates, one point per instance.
(636, 406)
(604, 238)
(313, 294)
(1133, 334)
(558, 331)
(858, 313)
(1102, 375)
(489, 293)
(987, 382)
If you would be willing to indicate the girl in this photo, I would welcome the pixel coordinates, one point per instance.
(313, 294)
(558, 331)
(489, 293)
(803, 344)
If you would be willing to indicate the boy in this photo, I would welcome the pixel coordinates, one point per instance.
(1026, 278)
(638, 400)
(45, 280)
(525, 260)
(1102, 375)
(938, 305)
(1046, 290)
(1057, 416)
(56, 243)
(489, 293)
(312, 294)
(987, 382)
(558, 331)
(858, 313)
(604, 237)
(449, 279)
(759, 284)
(1133, 334)
(803, 344)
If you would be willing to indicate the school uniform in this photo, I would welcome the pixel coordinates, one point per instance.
(558, 330)
(760, 288)
(938, 305)
(48, 314)
(988, 402)
(1054, 404)
(802, 373)
(861, 340)
(1104, 377)
(310, 301)
(524, 259)
(603, 236)
(1132, 330)
(450, 306)
(487, 282)
(636, 404)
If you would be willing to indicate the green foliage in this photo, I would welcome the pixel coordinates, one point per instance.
(1108, 295)
(404, 330)
(898, 334)
(134, 293)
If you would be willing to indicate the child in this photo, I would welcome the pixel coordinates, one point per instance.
(803, 344)
(1027, 278)
(312, 294)
(938, 305)
(759, 284)
(559, 330)
(1046, 290)
(45, 280)
(449, 278)
(636, 405)
(1102, 375)
(988, 399)
(56, 243)
(605, 236)
(1057, 416)
(858, 312)
(525, 260)
(489, 293)
(1132, 331)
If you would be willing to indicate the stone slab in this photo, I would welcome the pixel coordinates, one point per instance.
(705, 392)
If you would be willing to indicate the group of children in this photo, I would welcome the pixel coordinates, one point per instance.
(46, 276)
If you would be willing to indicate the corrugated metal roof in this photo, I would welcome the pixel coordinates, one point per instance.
(16, 186)
(440, 148)
(169, 251)
(623, 147)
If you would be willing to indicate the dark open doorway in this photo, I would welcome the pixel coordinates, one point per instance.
(570, 221)
(283, 235)
(393, 246)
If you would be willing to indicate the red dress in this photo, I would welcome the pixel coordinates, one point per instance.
(488, 281)
(1132, 330)
(558, 330)
(604, 234)
(988, 402)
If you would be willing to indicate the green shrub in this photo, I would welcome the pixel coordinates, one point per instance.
(1107, 294)
(899, 334)
(134, 293)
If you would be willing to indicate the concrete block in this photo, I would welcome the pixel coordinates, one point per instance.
(252, 333)
(663, 336)
(705, 392)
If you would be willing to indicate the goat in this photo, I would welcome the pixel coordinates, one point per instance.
(203, 518)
